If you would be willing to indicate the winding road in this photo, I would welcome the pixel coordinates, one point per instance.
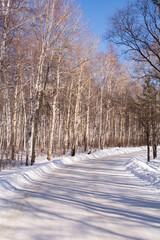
(91, 200)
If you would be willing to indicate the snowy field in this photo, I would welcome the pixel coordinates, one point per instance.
(14, 179)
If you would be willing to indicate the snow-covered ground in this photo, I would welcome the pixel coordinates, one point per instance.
(11, 180)
(98, 198)
(149, 172)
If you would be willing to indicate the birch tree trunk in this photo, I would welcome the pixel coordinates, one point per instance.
(34, 116)
(54, 107)
(129, 131)
(66, 131)
(87, 134)
(76, 113)
(101, 119)
(14, 121)
(5, 11)
(8, 119)
(108, 127)
(19, 131)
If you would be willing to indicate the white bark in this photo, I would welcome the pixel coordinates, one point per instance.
(76, 112)
(5, 11)
(54, 107)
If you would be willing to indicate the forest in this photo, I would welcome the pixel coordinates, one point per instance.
(59, 93)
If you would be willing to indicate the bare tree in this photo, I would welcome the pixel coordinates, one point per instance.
(136, 28)
(67, 31)
(145, 106)
(59, 93)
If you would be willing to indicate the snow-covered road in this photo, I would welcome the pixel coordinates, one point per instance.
(90, 200)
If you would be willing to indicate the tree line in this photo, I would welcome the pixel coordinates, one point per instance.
(137, 29)
(59, 93)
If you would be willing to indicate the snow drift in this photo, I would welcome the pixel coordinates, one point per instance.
(15, 179)
(146, 171)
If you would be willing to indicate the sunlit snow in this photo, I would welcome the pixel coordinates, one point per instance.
(10, 180)
(108, 194)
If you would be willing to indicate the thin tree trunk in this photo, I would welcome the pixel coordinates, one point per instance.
(5, 15)
(14, 121)
(129, 131)
(54, 108)
(35, 111)
(154, 142)
(8, 120)
(51, 132)
(19, 131)
(24, 122)
(107, 132)
(148, 144)
(66, 132)
(76, 114)
(100, 120)
(87, 134)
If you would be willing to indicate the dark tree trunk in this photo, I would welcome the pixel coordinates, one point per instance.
(148, 147)
(85, 143)
(154, 151)
(73, 151)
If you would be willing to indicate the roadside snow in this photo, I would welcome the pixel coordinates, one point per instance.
(15, 179)
(146, 171)
(94, 199)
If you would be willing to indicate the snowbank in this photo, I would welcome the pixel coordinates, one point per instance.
(12, 180)
(146, 171)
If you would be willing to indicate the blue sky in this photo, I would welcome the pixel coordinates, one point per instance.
(98, 12)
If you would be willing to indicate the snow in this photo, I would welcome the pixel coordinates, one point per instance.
(14, 179)
(101, 198)
(11, 180)
(149, 172)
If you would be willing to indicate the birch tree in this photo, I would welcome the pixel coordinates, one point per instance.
(67, 31)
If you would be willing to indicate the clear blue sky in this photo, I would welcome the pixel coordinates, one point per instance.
(98, 12)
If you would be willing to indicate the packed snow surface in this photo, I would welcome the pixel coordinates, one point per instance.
(11, 180)
(104, 195)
